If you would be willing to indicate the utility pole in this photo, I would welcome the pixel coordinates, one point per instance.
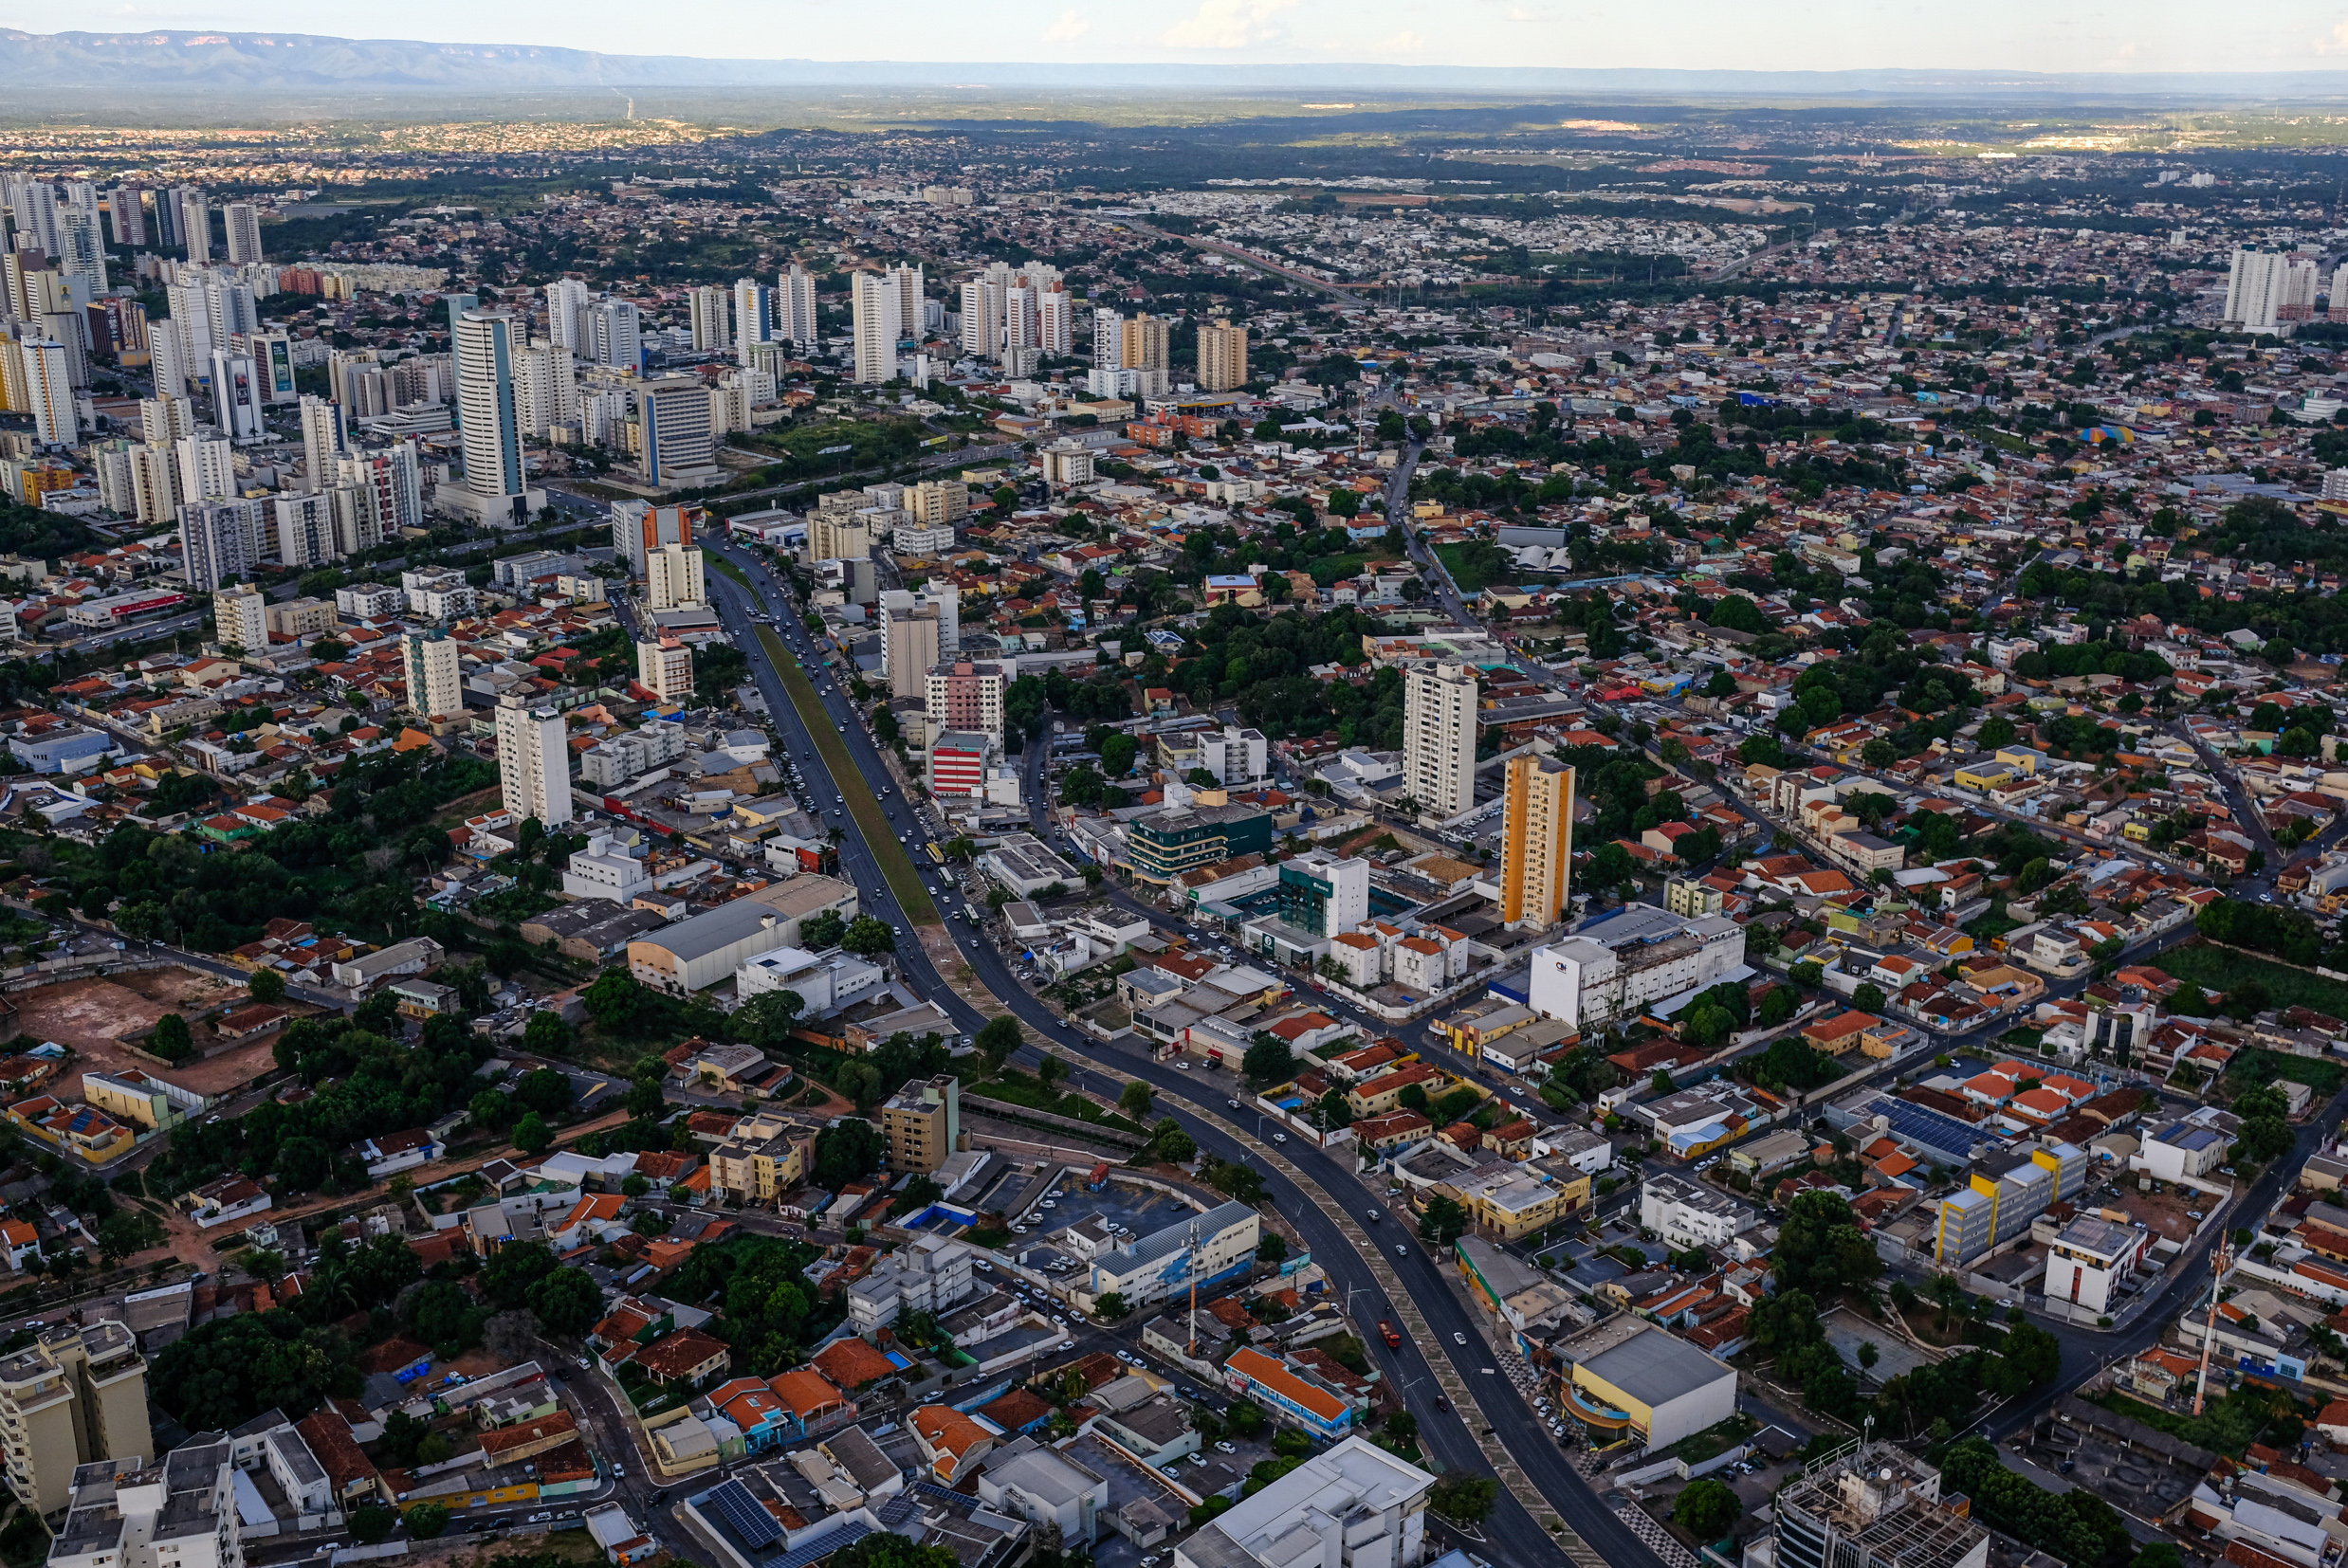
(1193, 1237)
(2208, 1325)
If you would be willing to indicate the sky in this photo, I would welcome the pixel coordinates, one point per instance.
(2070, 35)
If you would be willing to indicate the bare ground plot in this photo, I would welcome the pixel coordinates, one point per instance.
(202, 1247)
(187, 1242)
(1846, 1331)
(89, 1017)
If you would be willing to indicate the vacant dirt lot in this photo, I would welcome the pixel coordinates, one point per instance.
(90, 1015)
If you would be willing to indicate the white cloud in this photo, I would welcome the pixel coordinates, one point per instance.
(1225, 24)
(2336, 44)
(1404, 41)
(1071, 25)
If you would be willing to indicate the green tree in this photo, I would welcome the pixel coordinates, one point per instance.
(617, 1002)
(532, 1136)
(1708, 1509)
(546, 1034)
(1463, 1499)
(1110, 1307)
(1136, 1100)
(767, 1019)
(372, 1523)
(171, 1040)
(567, 1303)
(1171, 1144)
(846, 1151)
(1268, 1060)
(546, 1090)
(1868, 997)
(266, 985)
(427, 1521)
(1272, 1249)
(886, 1549)
(867, 935)
(997, 1042)
(1442, 1223)
(1820, 1247)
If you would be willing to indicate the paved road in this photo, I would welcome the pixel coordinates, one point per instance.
(1316, 1209)
(2084, 1351)
(946, 459)
(1263, 263)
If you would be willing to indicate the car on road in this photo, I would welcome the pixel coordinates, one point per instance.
(1400, 1250)
(1458, 1337)
(1234, 1105)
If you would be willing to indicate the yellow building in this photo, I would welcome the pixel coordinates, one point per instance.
(1382, 1093)
(1510, 1202)
(1632, 1375)
(1537, 840)
(922, 1123)
(133, 1096)
(73, 1396)
(1222, 355)
(80, 1130)
(1982, 776)
(763, 1165)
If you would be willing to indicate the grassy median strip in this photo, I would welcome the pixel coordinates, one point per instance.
(732, 571)
(849, 781)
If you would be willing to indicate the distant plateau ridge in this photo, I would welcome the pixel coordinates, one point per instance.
(165, 60)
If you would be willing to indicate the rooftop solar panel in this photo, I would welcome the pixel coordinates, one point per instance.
(815, 1551)
(741, 1513)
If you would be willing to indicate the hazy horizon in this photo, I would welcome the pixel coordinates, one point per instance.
(1707, 35)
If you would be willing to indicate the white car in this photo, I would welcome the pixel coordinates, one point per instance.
(1458, 1337)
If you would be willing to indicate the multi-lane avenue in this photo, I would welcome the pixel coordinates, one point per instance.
(1326, 1203)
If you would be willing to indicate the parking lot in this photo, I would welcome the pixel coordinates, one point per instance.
(1127, 1207)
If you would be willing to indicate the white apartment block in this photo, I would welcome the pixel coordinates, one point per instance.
(533, 763)
(1687, 1216)
(241, 617)
(1439, 738)
(1611, 968)
(673, 577)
